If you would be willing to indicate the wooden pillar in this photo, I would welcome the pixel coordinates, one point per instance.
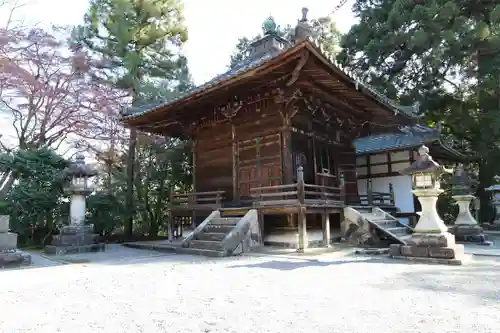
(286, 152)
(301, 216)
(315, 162)
(260, 216)
(193, 213)
(369, 191)
(170, 217)
(325, 219)
(235, 163)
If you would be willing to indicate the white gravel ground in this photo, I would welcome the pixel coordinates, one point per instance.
(169, 293)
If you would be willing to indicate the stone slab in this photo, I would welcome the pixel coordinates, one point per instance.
(444, 239)
(430, 252)
(372, 251)
(80, 239)
(62, 250)
(8, 241)
(77, 229)
(4, 223)
(14, 259)
(470, 234)
(457, 262)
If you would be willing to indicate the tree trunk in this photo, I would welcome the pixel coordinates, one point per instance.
(8, 182)
(488, 77)
(129, 199)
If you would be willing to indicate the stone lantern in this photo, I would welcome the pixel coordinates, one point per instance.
(465, 227)
(495, 201)
(430, 240)
(77, 236)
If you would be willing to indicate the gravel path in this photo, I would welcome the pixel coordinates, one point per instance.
(169, 293)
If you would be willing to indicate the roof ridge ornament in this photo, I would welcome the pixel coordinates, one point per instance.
(269, 26)
(303, 30)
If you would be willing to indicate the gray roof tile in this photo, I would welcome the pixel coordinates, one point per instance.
(251, 63)
(408, 137)
(235, 71)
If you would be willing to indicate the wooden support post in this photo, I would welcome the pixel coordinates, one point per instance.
(193, 213)
(391, 191)
(369, 192)
(302, 216)
(170, 218)
(325, 219)
(260, 216)
(315, 162)
(342, 187)
(235, 164)
(287, 152)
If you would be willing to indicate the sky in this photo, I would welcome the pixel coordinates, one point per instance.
(214, 26)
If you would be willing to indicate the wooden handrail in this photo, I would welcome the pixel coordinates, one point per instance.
(213, 198)
(299, 193)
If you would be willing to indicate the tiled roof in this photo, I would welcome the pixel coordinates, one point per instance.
(251, 63)
(235, 71)
(408, 137)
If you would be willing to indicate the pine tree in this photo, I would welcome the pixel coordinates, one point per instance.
(443, 53)
(137, 40)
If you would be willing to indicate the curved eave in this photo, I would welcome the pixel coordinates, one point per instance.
(358, 86)
(455, 153)
(211, 87)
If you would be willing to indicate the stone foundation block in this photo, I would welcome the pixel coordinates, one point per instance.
(62, 250)
(14, 259)
(74, 239)
(445, 239)
(446, 252)
(395, 250)
(4, 223)
(469, 234)
(8, 241)
(414, 251)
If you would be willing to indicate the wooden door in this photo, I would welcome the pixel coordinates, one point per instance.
(259, 163)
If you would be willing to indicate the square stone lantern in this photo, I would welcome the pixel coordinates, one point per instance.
(430, 240)
(495, 201)
(465, 228)
(77, 236)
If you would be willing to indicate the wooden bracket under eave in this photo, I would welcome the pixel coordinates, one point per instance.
(298, 68)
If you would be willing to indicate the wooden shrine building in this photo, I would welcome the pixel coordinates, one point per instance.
(276, 133)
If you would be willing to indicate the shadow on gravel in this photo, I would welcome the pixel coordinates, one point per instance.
(289, 265)
(480, 280)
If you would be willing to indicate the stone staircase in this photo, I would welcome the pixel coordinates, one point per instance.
(359, 220)
(221, 236)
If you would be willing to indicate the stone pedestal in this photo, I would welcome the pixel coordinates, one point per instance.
(431, 241)
(466, 228)
(9, 255)
(75, 239)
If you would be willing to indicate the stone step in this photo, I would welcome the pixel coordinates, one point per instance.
(373, 217)
(201, 252)
(398, 231)
(206, 245)
(385, 222)
(211, 236)
(218, 228)
(225, 221)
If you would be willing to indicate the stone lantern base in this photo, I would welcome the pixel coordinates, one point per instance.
(75, 239)
(469, 234)
(430, 247)
(466, 228)
(9, 255)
